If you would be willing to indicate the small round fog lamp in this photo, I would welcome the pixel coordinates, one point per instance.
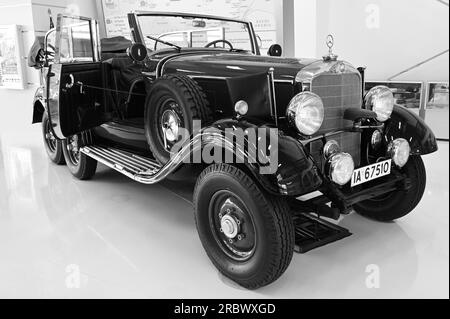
(331, 148)
(400, 151)
(377, 139)
(341, 168)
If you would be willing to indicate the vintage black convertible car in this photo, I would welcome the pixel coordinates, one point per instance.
(179, 96)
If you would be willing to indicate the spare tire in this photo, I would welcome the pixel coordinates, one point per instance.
(173, 103)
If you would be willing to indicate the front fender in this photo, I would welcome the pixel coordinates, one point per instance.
(408, 125)
(294, 173)
(38, 105)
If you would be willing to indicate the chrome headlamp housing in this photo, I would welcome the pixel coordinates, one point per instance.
(306, 113)
(381, 100)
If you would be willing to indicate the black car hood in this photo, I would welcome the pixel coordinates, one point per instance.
(226, 65)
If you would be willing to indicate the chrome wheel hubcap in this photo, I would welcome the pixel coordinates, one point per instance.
(171, 123)
(233, 226)
(230, 226)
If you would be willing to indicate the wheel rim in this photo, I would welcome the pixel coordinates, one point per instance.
(50, 138)
(232, 226)
(171, 120)
(73, 150)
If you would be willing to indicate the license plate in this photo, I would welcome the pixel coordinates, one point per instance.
(372, 172)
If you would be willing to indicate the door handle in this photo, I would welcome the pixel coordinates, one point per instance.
(72, 82)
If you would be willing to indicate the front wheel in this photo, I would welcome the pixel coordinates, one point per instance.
(399, 203)
(248, 234)
(81, 166)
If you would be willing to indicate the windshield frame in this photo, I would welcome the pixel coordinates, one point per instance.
(139, 37)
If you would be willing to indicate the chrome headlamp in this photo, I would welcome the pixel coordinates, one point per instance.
(306, 113)
(381, 100)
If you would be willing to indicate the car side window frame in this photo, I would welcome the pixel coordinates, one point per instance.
(50, 33)
(93, 37)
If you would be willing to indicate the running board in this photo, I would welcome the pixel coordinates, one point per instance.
(138, 168)
(312, 232)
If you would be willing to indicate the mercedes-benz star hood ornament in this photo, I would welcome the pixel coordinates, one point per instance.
(330, 44)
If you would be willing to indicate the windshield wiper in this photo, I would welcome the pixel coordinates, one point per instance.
(165, 43)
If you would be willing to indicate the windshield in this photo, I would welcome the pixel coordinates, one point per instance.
(162, 32)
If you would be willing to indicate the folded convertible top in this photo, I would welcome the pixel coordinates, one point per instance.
(36, 53)
(115, 45)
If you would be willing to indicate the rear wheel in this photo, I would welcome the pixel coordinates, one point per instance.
(53, 146)
(400, 203)
(80, 165)
(247, 234)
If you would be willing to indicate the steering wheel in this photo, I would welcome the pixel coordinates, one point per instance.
(214, 43)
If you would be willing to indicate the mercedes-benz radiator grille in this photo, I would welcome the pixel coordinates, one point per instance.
(338, 92)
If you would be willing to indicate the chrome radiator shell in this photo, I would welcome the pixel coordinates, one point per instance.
(339, 85)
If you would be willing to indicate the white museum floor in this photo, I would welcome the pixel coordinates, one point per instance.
(134, 241)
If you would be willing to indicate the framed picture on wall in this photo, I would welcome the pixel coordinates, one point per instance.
(438, 97)
(12, 66)
(438, 109)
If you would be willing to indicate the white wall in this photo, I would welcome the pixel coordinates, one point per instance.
(19, 12)
(32, 15)
(305, 12)
(387, 36)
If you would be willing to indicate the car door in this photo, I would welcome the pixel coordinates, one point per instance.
(75, 79)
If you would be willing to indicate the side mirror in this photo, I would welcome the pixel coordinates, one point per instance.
(137, 52)
(275, 50)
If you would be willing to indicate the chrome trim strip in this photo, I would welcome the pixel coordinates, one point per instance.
(162, 63)
(156, 173)
(272, 93)
(212, 77)
(321, 137)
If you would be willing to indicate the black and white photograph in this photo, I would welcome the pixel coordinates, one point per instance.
(224, 155)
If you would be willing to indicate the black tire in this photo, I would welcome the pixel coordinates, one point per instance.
(188, 102)
(53, 146)
(269, 217)
(400, 203)
(81, 166)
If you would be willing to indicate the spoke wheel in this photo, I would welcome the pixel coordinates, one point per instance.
(73, 150)
(80, 165)
(50, 138)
